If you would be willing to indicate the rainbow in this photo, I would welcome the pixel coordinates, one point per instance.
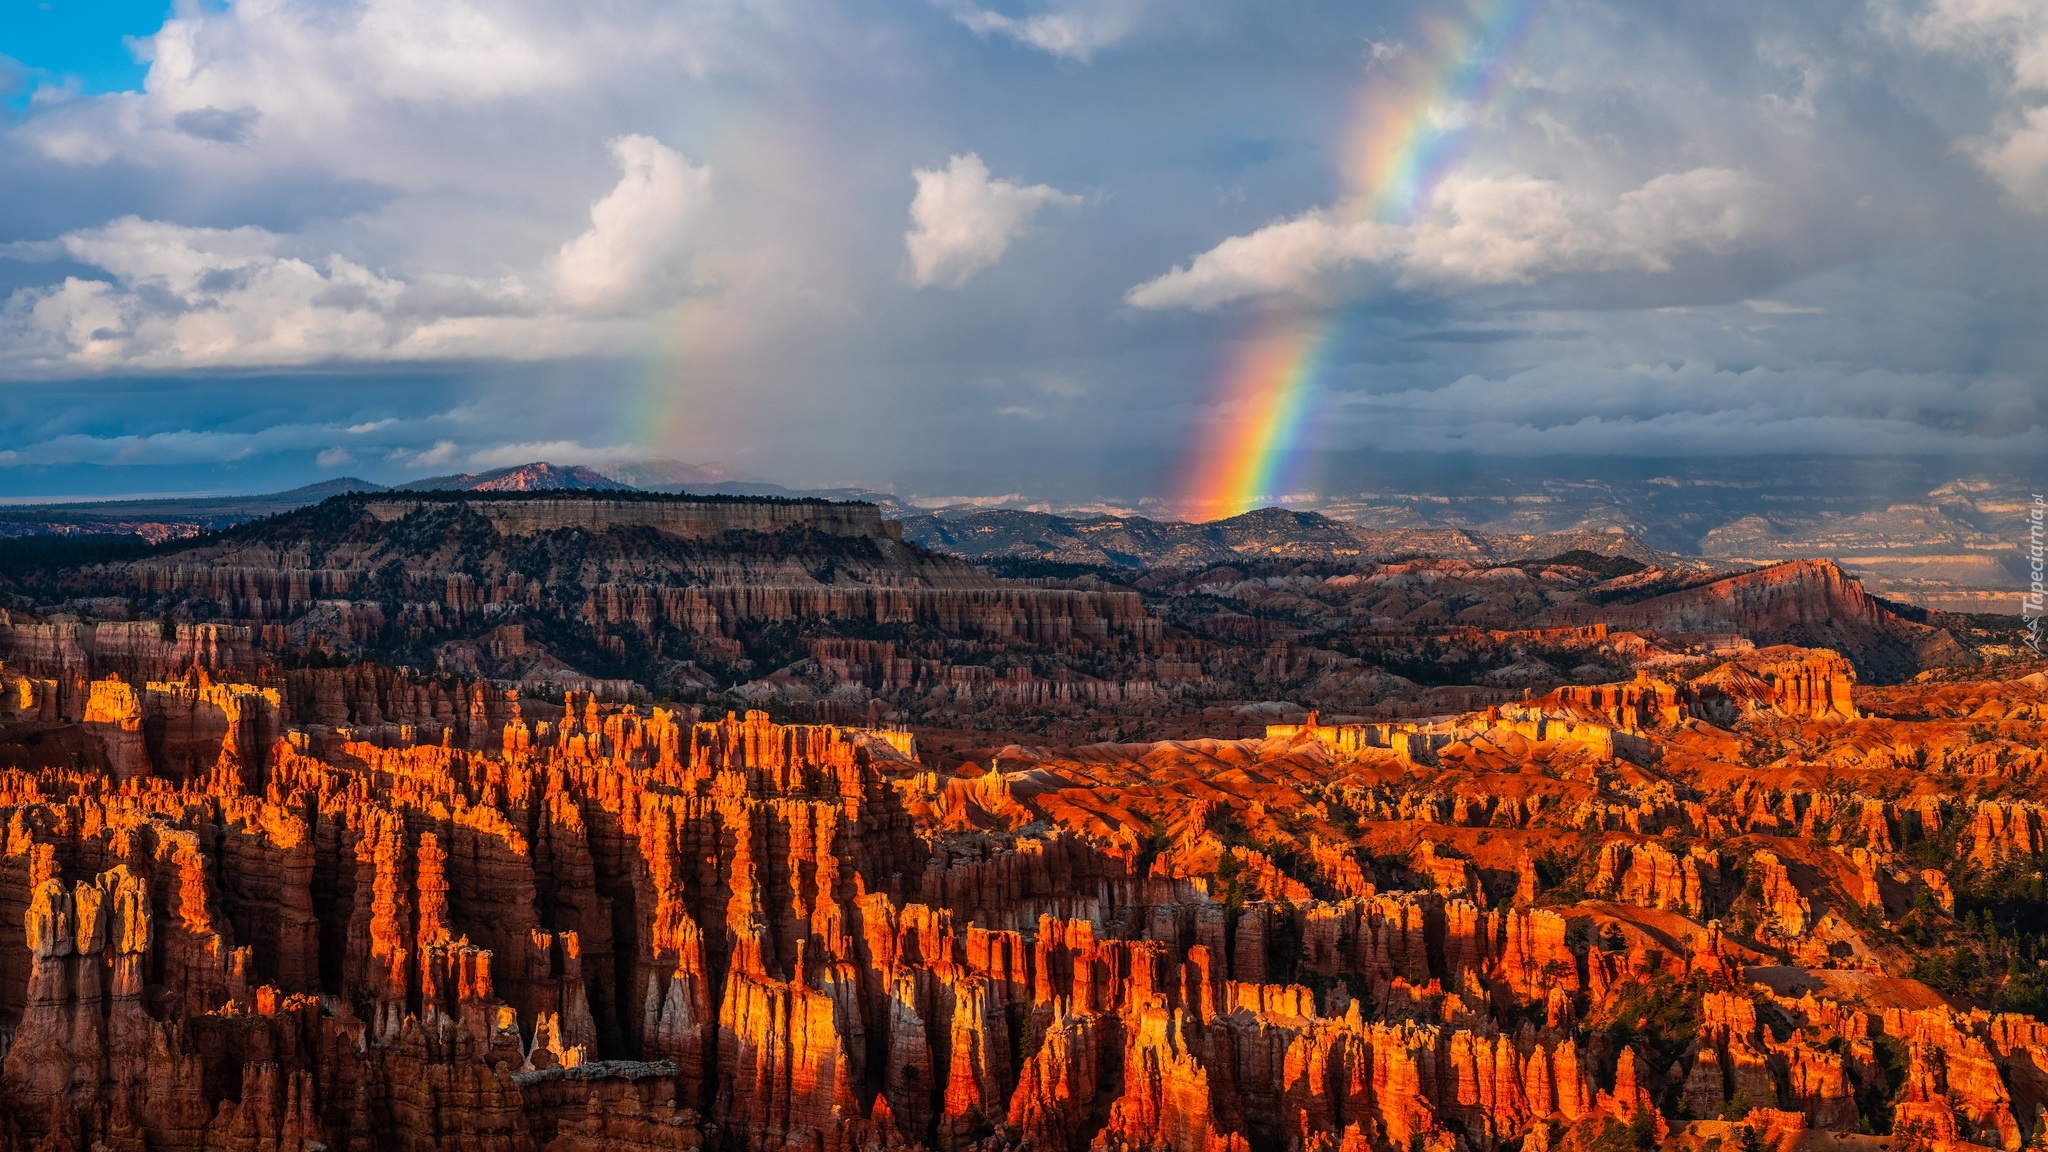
(1270, 394)
(1414, 121)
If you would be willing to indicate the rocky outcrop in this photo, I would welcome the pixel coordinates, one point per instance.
(1778, 895)
(459, 918)
(667, 515)
(1812, 603)
(1648, 874)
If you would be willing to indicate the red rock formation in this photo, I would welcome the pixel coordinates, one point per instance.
(1790, 911)
(1800, 602)
(1057, 1085)
(495, 926)
(1535, 958)
(1166, 1101)
(1648, 874)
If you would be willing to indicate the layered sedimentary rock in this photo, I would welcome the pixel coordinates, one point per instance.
(1808, 602)
(823, 609)
(1650, 875)
(354, 908)
(465, 558)
(567, 590)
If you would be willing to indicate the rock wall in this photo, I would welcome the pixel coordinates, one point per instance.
(674, 516)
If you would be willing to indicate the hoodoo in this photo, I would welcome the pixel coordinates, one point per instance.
(449, 816)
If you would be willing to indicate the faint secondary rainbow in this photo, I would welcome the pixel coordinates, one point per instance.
(692, 396)
(1411, 127)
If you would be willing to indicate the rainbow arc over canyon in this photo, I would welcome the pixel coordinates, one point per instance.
(1415, 118)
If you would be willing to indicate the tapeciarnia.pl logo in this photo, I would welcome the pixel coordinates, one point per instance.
(2035, 602)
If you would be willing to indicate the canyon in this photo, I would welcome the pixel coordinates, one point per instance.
(823, 611)
(558, 821)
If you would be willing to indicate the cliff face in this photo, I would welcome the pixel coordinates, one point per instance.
(1805, 602)
(644, 588)
(823, 610)
(678, 517)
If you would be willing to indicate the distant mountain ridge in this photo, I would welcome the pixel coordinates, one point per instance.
(976, 535)
(1264, 534)
(1936, 556)
(817, 602)
(165, 518)
(616, 583)
(539, 476)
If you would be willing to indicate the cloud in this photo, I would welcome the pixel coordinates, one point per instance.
(1475, 232)
(563, 452)
(305, 185)
(440, 455)
(639, 233)
(962, 221)
(412, 50)
(1634, 409)
(385, 89)
(1287, 257)
(181, 446)
(220, 125)
(2008, 40)
(182, 297)
(1073, 33)
(196, 418)
(2017, 157)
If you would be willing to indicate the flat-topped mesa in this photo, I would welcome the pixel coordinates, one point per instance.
(644, 584)
(1806, 683)
(671, 516)
(1813, 683)
(1629, 706)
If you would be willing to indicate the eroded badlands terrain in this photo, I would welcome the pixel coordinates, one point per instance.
(1671, 879)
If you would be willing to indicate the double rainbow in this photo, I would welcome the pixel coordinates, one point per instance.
(1414, 121)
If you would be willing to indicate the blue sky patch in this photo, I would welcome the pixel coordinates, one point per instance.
(83, 45)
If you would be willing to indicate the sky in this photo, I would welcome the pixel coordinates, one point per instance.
(1146, 248)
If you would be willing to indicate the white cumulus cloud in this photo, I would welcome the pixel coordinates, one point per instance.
(175, 297)
(1476, 231)
(179, 297)
(639, 234)
(1073, 33)
(962, 221)
(182, 297)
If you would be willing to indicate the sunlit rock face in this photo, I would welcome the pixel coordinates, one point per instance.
(1659, 875)
(515, 924)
